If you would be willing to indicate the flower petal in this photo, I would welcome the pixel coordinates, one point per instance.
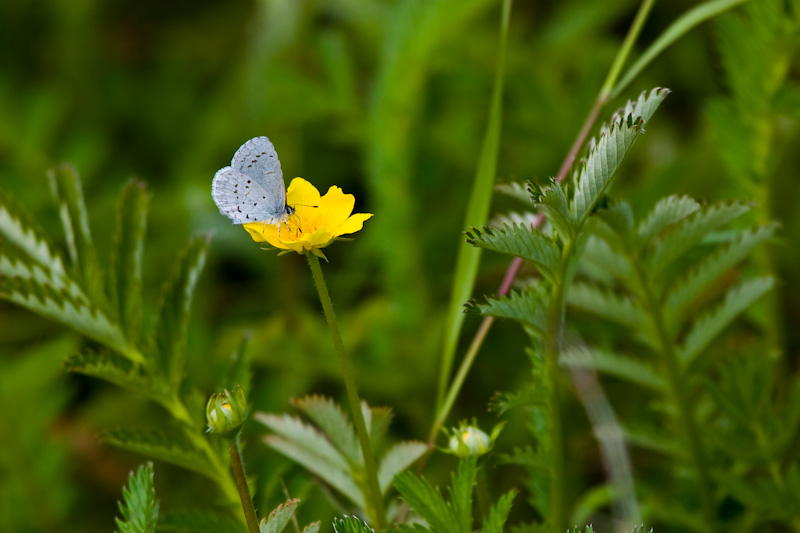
(352, 224)
(335, 207)
(302, 196)
(262, 232)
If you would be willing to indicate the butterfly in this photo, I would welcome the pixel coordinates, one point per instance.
(252, 188)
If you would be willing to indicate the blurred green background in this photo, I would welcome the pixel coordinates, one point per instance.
(387, 99)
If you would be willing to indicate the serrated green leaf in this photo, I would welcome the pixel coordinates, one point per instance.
(126, 257)
(609, 305)
(73, 312)
(173, 315)
(377, 420)
(463, 483)
(427, 501)
(711, 324)
(15, 265)
(334, 422)
(498, 514)
(398, 458)
(665, 213)
(687, 289)
(279, 517)
(519, 241)
(198, 521)
(20, 230)
(602, 263)
(623, 367)
(311, 449)
(172, 448)
(606, 154)
(688, 232)
(118, 370)
(528, 307)
(140, 508)
(65, 185)
(552, 202)
(351, 524)
(529, 458)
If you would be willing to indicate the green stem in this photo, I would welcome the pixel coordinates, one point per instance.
(625, 50)
(241, 485)
(680, 396)
(375, 508)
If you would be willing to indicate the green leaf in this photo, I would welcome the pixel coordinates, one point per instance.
(279, 517)
(351, 524)
(624, 367)
(688, 232)
(665, 213)
(332, 420)
(461, 492)
(198, 521)
(173, 315)
(126, 257)
(71, 311)
(520, 241)
(313, 527)
(514, 190)
(529, 395)
(603, 263)
(398, 458)
(238, 373)
(65, 184)
(14, 264)
(711, 324)
(606, 154)
(552, 202)
(688, 288)
(498, 514)
(118, 370)
(609, 305)
(22, 232)
(377, 420)
(528, 307)
(310, 448)
(468, 259)
(427, 501)
(140, 507)
(172, 448)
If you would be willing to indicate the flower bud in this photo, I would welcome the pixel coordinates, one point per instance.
(469, 440)
(226, 413)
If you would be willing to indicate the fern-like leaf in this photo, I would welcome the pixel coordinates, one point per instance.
(689, 287)
(71, 311)
(623, 367)
(65, 184)
(498, 514)
(711, 324)
(528, 307)
(172, 448)
(610, 305)
(666, 212)
(173, 316)
(427, 501)
(140, 508)
(552, 201)
(606, 154)
(117, 370)
(688, 232)
(126, 257)
(519, 241)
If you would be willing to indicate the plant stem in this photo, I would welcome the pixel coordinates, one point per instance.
(680, 396)
(552, 351)
(375, 508)
(241, 485)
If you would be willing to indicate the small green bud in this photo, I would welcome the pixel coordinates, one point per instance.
(469, 440)
(226, 413)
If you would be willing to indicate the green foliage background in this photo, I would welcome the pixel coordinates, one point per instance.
(388, 100)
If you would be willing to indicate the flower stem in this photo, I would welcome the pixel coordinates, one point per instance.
(375, 508)
(241, 484)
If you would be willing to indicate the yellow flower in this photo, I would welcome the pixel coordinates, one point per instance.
(316, 221)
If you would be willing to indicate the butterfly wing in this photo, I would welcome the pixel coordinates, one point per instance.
(258, 160)
(243, 199)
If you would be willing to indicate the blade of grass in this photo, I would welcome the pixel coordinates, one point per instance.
(477, 213)
(675, 31)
